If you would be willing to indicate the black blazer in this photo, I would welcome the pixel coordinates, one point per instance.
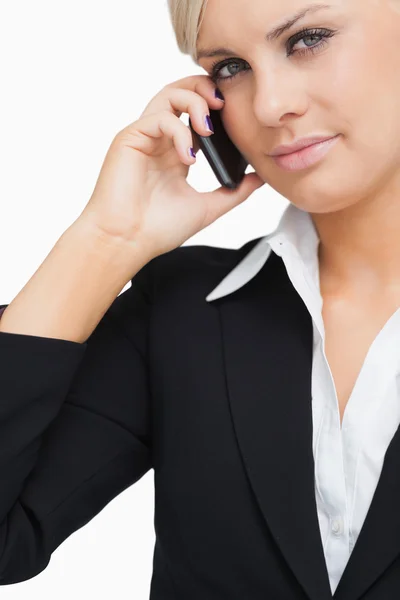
(216, 398)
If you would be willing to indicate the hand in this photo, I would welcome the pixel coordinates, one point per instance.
(142, 193)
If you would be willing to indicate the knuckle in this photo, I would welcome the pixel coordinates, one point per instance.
(168, 116)
(119, 136)
(204, 105)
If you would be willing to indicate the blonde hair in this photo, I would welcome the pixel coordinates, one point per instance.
(186, 18)
(187, 15)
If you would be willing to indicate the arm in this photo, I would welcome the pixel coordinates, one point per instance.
(74, 426)
(74, 286)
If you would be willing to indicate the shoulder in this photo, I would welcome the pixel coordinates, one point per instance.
(176, 283)
(198, 266)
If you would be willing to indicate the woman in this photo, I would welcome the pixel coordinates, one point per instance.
(260, 384)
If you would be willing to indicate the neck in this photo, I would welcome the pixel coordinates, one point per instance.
(359, 247)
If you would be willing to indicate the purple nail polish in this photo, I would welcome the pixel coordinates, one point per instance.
(209, 124)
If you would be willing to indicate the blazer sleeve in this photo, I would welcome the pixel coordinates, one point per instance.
(74, 429)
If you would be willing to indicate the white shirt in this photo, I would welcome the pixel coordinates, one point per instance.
(348, 460)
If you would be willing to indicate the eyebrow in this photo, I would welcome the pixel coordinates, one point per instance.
(272, 35)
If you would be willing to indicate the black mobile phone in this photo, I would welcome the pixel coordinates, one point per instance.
(226, 161)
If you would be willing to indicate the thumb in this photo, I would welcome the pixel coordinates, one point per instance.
(222, 200)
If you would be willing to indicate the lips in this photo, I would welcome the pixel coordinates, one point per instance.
(299, 145)
(307, 156)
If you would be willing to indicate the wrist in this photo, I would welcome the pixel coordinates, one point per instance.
(109, 244)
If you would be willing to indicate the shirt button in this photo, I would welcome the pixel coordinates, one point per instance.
(337, 526)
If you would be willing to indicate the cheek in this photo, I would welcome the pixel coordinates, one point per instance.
(357, 86)
(343, 82)
(365, 69)
(366, 89)
(236, 124)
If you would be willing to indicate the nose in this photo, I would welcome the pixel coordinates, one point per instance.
(278, 96)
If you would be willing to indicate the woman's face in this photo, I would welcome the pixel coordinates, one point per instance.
(346, 83)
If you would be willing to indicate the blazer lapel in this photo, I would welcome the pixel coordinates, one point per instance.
(378, 544)
(267, 337)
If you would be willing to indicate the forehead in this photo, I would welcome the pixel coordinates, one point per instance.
(219, 14)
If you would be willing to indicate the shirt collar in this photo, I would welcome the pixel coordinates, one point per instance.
(295, 232)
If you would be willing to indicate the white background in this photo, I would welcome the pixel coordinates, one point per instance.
(72, 75)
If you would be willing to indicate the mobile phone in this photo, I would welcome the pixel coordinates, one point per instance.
(226, 161)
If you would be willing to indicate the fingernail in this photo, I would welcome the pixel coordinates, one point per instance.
(218, 94)
(209, 124)
(192, 152)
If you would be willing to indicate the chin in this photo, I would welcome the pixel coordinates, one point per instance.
(321, 207)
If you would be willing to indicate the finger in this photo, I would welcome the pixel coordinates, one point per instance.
(144, 135)
(194, 95)
(179, 101)
(202, 85)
